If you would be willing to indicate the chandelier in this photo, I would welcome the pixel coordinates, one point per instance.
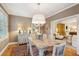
(38, 19)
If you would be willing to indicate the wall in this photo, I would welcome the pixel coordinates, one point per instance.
(60, 29)
(71, 25)
(47, 28)
(13, 22)
(68, 12)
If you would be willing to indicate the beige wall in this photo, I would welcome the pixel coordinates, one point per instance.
(13, 22)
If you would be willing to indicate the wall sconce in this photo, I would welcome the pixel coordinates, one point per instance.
(19, 31)
(19, 28)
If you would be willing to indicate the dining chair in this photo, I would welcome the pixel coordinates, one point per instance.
(44, 36)
(58, 50)
(22, 38)
(33, 50)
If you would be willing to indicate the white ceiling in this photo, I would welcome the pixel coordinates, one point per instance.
(29, 9)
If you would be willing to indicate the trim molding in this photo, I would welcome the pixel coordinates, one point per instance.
(13, 43)
(7, 46)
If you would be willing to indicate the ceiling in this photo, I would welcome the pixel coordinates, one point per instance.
(30, 9)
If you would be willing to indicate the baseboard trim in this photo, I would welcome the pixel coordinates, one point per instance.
(13, 43)
(7, 46)
(4, 49)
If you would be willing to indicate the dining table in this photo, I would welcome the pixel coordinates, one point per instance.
(41, 45)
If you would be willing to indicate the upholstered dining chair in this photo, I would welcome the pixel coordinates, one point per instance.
(58, 50)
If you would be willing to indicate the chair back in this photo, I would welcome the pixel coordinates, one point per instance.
(58, 50)
(33, 50)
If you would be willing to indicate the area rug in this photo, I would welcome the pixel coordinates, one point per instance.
(22, 50)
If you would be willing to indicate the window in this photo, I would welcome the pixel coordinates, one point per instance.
(3, 24)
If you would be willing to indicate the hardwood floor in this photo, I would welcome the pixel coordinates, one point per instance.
(7, 52)
(68, 51)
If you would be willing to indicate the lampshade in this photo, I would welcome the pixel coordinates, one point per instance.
(38, 19)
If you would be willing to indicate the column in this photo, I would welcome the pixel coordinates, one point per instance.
(77, 40)
(52, 29)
